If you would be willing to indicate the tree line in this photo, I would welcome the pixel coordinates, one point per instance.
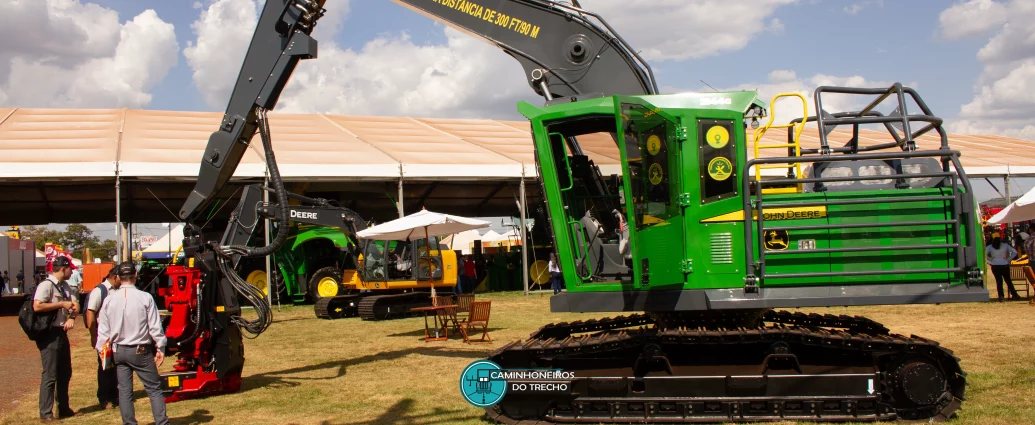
(75, 239)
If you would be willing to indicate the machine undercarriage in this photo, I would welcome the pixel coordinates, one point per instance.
(747, 365)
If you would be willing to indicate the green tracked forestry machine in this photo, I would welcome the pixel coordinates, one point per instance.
(702, 243)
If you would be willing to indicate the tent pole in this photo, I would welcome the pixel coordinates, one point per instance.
(427, 242)
(400, 192)
(1009, 200)
(118, 216)
(524, 236)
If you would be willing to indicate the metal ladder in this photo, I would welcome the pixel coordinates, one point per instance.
(793, 146)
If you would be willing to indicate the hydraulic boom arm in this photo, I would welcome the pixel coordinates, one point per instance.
(281, 39)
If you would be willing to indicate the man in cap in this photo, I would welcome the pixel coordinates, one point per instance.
(54, 294)
(107, 380)
(129, 319)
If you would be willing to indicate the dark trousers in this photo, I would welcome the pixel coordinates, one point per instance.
(107, 385)
(1002, 273)
(128, 361)
(556, 282)
(57, 372)
(461, 282)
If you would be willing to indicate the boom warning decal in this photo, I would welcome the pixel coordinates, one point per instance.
(493, 16)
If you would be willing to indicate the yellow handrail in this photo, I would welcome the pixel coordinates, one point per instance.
(794, 143)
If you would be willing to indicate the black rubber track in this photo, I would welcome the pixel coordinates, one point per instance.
(846, 334)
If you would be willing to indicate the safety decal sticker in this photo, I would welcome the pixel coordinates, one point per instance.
(655, 174)
(653, 144)
(720, 168)
(717, 136)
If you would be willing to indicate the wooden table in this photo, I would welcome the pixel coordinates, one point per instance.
(443, 327)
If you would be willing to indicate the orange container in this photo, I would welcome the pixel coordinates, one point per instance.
(93, 274)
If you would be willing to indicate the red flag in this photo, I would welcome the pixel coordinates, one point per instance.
(50, 253)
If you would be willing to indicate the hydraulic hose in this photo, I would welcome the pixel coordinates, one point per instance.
(278, 189)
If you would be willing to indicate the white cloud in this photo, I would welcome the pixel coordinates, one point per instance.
(855, 8)
(63, 53)
(705, 27)
(389, 75)
(394, 76)
(970, 18)
(1004, 98)
(223, 31)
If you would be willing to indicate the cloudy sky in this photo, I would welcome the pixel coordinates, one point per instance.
(973, 61)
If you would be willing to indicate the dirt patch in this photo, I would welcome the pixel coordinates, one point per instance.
(19, 359)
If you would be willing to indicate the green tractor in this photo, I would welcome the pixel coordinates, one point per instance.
(306, 269)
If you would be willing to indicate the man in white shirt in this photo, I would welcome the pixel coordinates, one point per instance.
(54, 294)
(130, 320)
(107, 380)
(75, 280)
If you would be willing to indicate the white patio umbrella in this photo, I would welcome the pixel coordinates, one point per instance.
(1022, 209)
(423, 223)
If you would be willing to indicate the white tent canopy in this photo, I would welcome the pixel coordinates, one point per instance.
(150, 144)
(1022, 209)
(462, 241)
(421, 224)
(163, 244)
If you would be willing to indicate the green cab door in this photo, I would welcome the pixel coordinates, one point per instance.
(649, 145)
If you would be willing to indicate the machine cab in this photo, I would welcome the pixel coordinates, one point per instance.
(676, 217)
(625, 225)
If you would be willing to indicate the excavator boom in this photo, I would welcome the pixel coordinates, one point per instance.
(559, 46)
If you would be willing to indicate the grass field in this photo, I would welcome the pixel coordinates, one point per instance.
(305, 370)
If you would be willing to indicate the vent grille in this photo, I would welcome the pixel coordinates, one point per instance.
(722, 248)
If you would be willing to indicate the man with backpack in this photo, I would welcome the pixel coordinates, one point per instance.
(107, 380)
(54, 295)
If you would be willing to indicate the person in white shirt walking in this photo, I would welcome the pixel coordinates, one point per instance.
(999, 255)
(129, 319)
(107, 380)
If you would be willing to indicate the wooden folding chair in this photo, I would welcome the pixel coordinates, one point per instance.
(445, 316)
(478, 319)
(463, 305)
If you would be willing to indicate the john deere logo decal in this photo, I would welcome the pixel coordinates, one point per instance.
(653, 144)
(776, 240)
(655, 174)
(481, 384)
(717, 136)
(720, 168)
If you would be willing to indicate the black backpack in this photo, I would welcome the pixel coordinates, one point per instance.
(35, 325)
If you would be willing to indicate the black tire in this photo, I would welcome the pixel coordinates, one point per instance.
(320, 276)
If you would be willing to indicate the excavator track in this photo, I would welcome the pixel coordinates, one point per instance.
(786, 366)
(338, 307)
(387, 307)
